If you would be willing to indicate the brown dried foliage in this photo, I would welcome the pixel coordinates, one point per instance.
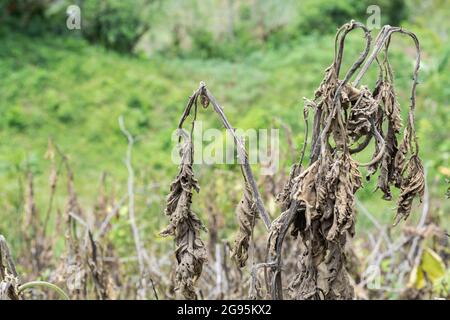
(246, 215)
(319, 201)
(185, 226)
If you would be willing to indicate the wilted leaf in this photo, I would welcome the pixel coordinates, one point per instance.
(431, 268)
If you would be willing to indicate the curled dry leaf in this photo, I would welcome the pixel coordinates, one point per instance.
(327, 188)
(246, 214)
(412, 185)
(347, 118)
(185, 226)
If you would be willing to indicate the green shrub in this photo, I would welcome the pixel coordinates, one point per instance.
(324, 16)
(15, 118)
(115, 24)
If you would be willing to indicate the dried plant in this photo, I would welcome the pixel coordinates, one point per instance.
(318, 202)
(74, 266)
(321, 198)
(307, 253)
(103, 283)
(9, 282)
(11, 287)
(246, 215)
(185, 225)
(36, 241)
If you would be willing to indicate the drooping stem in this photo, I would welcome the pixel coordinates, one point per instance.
(242, 154)
(247, 172)
(318, 139)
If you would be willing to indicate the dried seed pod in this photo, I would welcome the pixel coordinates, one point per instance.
(185, 226)
(204, 100)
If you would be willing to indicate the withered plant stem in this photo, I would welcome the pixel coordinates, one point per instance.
(242, 153)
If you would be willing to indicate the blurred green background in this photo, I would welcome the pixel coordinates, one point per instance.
(142, 59)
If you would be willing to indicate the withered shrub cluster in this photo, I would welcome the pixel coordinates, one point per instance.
(318, 201)
(345, 115)
(308, 243)
(185, 225)
(88, 267)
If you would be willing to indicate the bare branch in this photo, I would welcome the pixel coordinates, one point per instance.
(142, 294)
